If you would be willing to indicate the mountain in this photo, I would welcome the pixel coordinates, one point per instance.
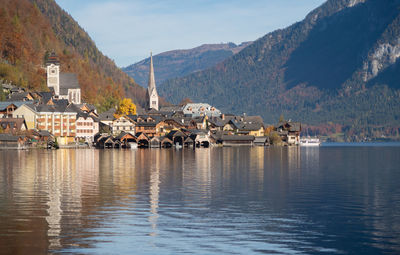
(178, 63)
(31, 29)
(337, 70)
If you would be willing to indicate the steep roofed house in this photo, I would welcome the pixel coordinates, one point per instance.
(87, 126)
(12, 125)
(168, 125)
(289, 132)
(123, 123)
(27, 112)
(7, 108)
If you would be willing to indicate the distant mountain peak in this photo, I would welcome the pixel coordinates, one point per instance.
(177, 63)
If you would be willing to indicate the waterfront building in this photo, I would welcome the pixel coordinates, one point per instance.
(59, 119)
(8, 141)
(123, 123)
(87, 126)
(27, 112)
(13, 125)
(152, 95)
(289, 132)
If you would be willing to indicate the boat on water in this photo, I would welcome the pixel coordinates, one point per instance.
(133, 146)
(308, 141)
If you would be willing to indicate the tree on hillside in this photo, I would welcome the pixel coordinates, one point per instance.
(126, 107)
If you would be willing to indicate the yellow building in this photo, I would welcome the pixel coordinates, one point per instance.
(28, 114)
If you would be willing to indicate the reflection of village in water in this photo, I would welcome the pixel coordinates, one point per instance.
(62, 188)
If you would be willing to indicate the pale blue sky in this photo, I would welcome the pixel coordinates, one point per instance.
(127, 30)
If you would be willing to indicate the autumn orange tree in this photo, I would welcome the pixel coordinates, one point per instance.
(126, 107)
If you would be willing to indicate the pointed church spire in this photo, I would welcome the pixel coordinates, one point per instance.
(152, 95)
(152, 81)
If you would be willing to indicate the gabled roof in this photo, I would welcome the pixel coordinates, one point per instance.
(174, 122)
(108, 115)
(86, 115)
(59, 107)
(68, 81)
(175, 133)
(237, 138)
(9, 138)
(142, 136)
(216, 121)
(260, 139)
(16, 123)
(45, 96)
(45, 133)
(19, 96)
(251, 127)
(290, 126)
(4, 105)
(123, 134)
(164, 139)
(146, 124)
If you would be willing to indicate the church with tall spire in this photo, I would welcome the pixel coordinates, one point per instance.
(152, 95)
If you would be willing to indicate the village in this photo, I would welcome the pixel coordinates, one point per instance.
(59, 118)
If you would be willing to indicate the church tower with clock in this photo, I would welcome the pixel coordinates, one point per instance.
(53, 73)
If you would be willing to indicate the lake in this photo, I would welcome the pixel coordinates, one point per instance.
(239, 200)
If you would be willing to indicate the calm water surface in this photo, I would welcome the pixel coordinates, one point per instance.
(327, 200)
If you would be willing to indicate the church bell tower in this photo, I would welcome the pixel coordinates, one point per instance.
(152, 95)
(53, 73)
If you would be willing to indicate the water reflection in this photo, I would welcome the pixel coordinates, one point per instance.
(154, 193)
(216, 200)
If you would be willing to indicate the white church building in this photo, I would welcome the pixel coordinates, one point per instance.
(65, 85)
(152, 95)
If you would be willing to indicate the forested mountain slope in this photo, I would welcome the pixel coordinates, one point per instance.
(31, 29)
(338, 68)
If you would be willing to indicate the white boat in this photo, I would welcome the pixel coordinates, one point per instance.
(133, 146)
(308, 141)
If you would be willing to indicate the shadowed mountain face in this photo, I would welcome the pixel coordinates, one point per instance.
(336, 66)
(337, 46)
(390, 76)
(178, 63)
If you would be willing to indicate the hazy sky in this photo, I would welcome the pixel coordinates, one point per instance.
(127, 30)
